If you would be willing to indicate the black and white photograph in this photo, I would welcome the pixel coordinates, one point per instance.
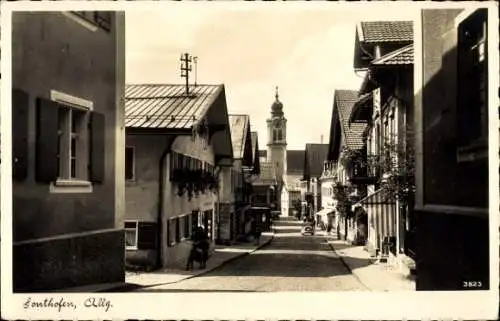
(196, 150)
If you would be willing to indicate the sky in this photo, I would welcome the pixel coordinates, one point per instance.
(305, 50)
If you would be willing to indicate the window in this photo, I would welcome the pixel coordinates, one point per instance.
(172, 229)
(187, 226)
(195, 221)
(129, 163)
(178, 235)
(131, 235)
(70, 140)
(72, 147)
(472, 64)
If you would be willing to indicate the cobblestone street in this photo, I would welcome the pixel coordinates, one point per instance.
(291, 262)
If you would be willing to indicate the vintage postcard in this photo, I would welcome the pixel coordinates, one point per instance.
(208, 160)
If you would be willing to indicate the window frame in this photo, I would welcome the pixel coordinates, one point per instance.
(130, 180)
(473, 148)
(68, 184)
(186, 228)
(171, 237)
(93, 23)
(136, 246)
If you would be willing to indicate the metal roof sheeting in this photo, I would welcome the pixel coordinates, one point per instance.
(167, 106)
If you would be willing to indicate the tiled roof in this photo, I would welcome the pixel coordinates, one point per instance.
(386, 31)
(238, 125)
(295, 160)
(402, 56)
(167, 106)
(316, 155)
(353, 132)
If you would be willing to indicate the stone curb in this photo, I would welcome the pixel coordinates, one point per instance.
(237, 256)
(341, 257)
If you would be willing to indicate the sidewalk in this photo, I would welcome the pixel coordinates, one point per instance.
(373, 275)
(221, 255)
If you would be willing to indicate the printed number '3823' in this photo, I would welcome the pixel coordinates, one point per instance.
(472, 284)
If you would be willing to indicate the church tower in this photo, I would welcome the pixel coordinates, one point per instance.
(276, 141)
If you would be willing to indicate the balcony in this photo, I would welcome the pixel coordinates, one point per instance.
(329, 170)
(363, 173)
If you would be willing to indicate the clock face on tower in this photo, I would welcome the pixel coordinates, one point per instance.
(277, 124)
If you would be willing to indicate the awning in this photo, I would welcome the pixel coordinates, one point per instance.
(377, 198)
(382, 212)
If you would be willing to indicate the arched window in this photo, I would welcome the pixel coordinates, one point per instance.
(279, 135)
(275, 136)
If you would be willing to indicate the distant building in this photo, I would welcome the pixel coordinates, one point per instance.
(178, 149)
(278, 184)
(68, 79)
(231, 214)
(294, 175)
(345, 140)
(315, 157)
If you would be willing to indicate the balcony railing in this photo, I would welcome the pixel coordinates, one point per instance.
(329, 169)
(364, 172)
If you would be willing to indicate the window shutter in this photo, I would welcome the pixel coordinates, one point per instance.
(97, 144)
(20, 108)
(129, 163)
(47, 115)
(146, 240)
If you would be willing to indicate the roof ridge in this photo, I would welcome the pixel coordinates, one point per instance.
(247, 115)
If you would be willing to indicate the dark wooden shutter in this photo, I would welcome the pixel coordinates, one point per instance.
(47, 120)
(146, 239)
(20, 108)
(129, 163)
(97, 147)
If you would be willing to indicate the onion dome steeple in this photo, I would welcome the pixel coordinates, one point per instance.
(277, 107)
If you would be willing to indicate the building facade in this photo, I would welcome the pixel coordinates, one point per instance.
(452, 103)
(68, 184)
(241, 171)
(327, 180)
(314, 159)
(176, 161)
(385, 104)
(346, 139)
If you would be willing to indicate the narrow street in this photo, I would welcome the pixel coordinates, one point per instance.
(291, 262)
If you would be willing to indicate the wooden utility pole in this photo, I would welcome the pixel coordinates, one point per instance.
(186, 69)
(195, 60)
